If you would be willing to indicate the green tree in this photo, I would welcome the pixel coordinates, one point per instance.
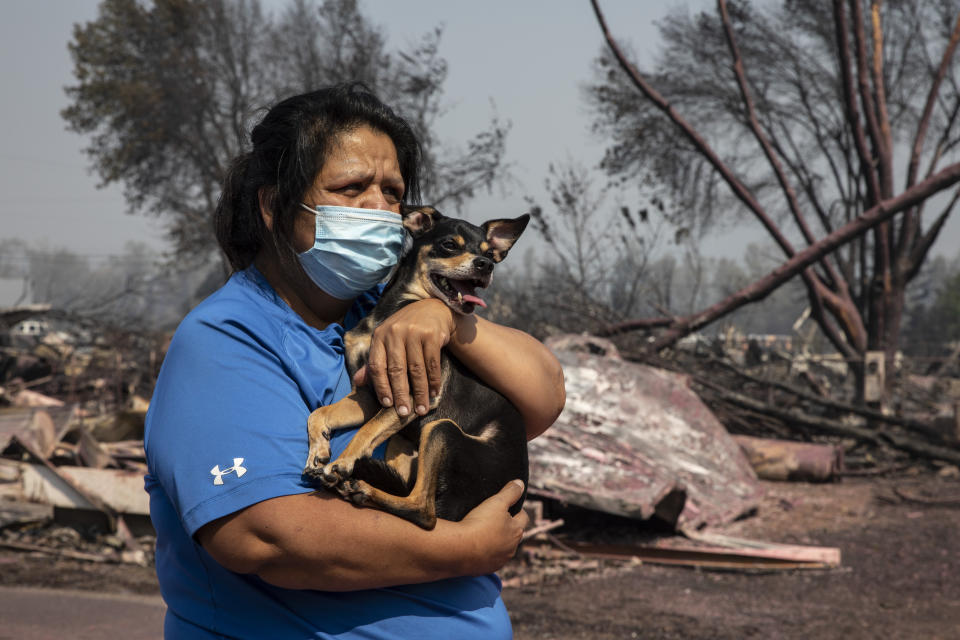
(166, 90)
(792, 114)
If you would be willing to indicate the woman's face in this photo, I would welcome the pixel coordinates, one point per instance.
(361, 171)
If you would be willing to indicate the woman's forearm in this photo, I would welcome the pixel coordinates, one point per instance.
(515, 364)
(319, 541)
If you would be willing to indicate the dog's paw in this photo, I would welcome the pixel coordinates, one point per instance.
(319, 440)
(314, 469)
(354, 491)
(319, 454)
(317, 461)
(330, 480)
(336, 472)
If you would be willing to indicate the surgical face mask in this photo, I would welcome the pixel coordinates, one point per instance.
(353, 249)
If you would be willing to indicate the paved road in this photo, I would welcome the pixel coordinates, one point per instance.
(57, 614)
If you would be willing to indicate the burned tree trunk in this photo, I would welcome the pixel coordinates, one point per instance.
(857, 297)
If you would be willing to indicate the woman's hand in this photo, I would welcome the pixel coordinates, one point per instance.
(405, 358)
(494, 531)
(404, 355)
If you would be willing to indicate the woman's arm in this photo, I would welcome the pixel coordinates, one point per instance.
(319, 541)
(405, 360)
(515, 364)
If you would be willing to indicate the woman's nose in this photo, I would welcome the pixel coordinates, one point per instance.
(373, 198)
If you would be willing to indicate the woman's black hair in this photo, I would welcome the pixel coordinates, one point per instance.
(290, 145)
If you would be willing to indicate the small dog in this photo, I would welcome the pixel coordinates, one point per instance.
(472, 441)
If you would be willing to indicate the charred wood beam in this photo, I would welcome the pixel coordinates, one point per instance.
(877, 436)
(873, 416)
(109, 512)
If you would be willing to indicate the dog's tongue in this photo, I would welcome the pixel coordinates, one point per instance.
(467, 292)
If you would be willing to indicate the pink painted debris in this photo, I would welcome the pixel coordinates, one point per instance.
(636, 441)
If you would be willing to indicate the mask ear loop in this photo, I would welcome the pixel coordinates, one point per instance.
(407, 246)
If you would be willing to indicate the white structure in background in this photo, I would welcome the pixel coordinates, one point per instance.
(30, 328)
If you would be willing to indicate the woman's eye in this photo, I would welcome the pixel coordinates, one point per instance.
(354, 187)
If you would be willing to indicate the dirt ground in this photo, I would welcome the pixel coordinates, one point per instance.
(900, 574)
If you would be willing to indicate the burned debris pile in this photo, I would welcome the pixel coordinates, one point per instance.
(774, 392)
(665, 453)
(72, 404)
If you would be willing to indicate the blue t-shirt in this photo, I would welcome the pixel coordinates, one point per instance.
(227, 428)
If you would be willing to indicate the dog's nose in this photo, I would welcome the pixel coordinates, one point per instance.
(483, 265)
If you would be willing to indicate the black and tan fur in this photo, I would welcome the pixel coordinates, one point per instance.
(472, 441)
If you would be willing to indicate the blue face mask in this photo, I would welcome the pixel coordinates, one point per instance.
(353, 249)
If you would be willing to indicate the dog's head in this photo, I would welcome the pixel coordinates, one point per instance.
(450, 258)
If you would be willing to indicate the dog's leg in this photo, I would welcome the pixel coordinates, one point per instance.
(353, 410)
(420, 507)
(371, 435)
(401, 456)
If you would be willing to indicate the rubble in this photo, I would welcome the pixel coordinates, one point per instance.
(787, 460)
(637, 441)
(719, 552)
(63, 396)
(679, 442)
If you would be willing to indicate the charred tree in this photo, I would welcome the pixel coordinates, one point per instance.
(811, 105)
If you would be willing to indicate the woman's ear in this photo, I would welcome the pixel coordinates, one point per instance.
(265, 199)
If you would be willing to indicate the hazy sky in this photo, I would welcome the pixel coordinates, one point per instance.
(526, 60)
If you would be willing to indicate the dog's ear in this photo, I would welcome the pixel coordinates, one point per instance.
(501, 234)
(419, 220)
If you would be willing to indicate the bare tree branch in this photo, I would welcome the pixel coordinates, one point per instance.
(869, 219)
(880, 93)
(922, 248)
(819, 292)
(768, 151)
(850, 101)
(928, 106)
(738, 188)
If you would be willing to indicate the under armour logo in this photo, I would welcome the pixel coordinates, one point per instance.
(218, 475)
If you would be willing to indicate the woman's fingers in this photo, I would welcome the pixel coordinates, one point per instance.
(496, 532)
(405, 356)
(508, 496)
(418, 376)
(396, 368)
(431, 355)
(377, 371)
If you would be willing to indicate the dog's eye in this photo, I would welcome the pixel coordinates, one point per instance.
(450, 245)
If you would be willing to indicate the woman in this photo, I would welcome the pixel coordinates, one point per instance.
(309, 220)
